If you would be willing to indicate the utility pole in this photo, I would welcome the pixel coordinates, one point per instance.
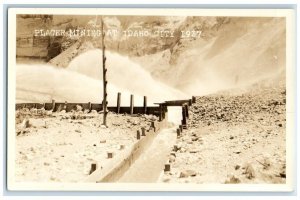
(104, 104)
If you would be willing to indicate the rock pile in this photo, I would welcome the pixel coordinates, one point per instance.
(242, 108)
(25, 116)
(23, 113)
(232, 138)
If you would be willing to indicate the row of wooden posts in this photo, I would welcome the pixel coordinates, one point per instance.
(138, 137)
(138, 133)
(118, 103)
(159, 111)
(131, 103)
(58, 106)
(185, 116)
(179, 130)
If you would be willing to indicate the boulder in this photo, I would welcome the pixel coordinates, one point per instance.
(249, 171)
(78, 108)
(232, 180)
(187, 173)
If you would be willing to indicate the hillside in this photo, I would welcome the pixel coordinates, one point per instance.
(231, 52)
(239, 52)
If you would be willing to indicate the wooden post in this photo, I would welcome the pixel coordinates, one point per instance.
(145, 105)
(122, 146)
(93, 167)
(193, 99)
(187, 110)
(160, 112)
(190, 102)
(131, 104)
(138, 135)
(181, 129)
(183, 121)
(143, 131)
(109, 155)
(65, 106)
(167, 167)
(164, 111)
(118, 102)
(90, 106)
(178, 132)
(104, 70)
(153, 125)
(53, 105)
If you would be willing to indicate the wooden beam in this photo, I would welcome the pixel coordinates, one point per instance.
(174, 103)
(145, 105)
(186, 110)
(183, 122)
(193, 99)
(131, 104)
(53, 105)
(118, 102)
(160, 112)
(89, 106)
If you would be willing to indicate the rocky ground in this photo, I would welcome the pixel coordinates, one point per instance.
(233, 139)
(60, 147)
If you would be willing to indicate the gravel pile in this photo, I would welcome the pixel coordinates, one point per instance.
(217, 108)
(232, 138)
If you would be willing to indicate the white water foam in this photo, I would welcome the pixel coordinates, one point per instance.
(82, 82)
(124, 74)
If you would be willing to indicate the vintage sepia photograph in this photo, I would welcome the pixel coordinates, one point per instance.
(173, 99)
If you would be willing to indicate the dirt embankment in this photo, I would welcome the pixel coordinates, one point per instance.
(233, 139)
(61, 147)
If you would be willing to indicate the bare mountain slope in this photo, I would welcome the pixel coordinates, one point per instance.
(239, 52)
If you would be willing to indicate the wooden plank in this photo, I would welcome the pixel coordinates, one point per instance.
(186, 110)
(89, 106)
(118, 102)
(53, 105)
(145, 105)
(175, 102)
(160, 112)
(183, 116)
(131, 103)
